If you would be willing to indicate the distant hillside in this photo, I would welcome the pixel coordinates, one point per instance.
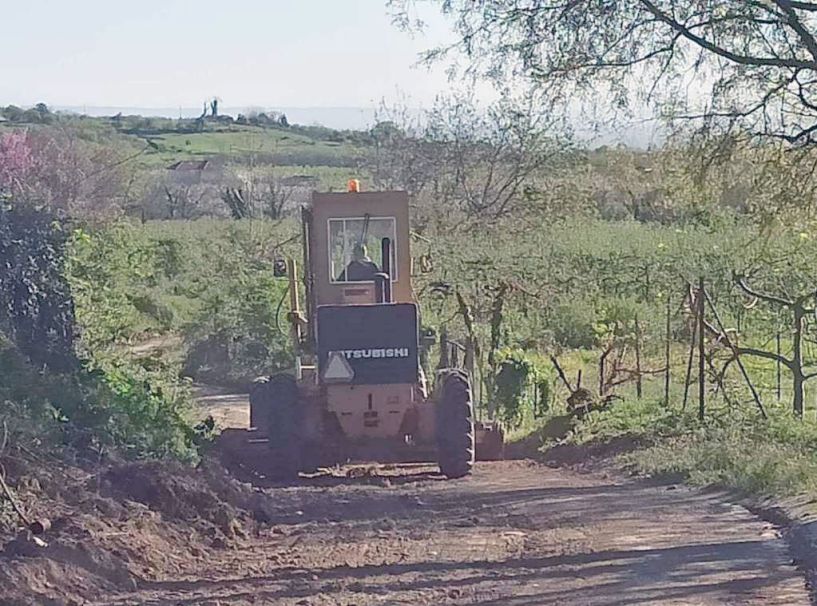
(341, 118)
(639, 135)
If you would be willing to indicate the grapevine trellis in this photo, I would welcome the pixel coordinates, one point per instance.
(504, 383)
(618, 302)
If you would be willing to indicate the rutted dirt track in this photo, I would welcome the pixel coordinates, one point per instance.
(515, 533)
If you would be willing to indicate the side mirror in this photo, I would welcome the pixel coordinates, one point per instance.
(279, 268)
(428, 337)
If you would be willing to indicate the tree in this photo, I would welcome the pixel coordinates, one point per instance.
(60, 171)
(186, 200)
(16, 160)
(490, 155)
(777, 282)
(799, 307)
(43, 111)
(13, 113)
(402, 157)
(272, 196)
(234, 200)
(262, 193)
(748, 65)
(478, 160)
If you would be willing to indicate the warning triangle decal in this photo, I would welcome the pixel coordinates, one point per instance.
(337, 368)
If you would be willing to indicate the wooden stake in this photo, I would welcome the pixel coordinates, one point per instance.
(668, 337)
(638, 381)
(778, 363)
(701, 352)
(688, 378)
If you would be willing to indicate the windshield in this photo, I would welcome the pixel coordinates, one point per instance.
(355, 248)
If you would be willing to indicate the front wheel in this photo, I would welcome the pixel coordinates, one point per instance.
(455, 425)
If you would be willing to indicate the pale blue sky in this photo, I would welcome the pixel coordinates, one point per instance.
(169, 53)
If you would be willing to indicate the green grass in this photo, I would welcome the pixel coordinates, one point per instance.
(754, 458)
(297, 148)
(731, 449)
(267, 144)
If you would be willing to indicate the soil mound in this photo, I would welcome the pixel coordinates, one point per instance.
(116, 527)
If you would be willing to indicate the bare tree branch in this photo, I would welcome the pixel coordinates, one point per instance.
(741, 282)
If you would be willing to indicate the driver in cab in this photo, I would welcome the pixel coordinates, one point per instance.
(361, 268)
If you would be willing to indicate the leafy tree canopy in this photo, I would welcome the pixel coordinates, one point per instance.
(729, 64)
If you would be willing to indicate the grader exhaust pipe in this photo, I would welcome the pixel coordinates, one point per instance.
(382, 280)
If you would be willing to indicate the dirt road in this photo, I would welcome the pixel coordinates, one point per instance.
(516, 533)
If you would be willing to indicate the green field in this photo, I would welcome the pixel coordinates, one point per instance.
(237, 142)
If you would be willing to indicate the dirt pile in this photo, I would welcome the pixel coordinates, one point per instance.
(116, 527)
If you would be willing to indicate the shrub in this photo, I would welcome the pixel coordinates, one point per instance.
(522, 387)
(207, 281)
(38, 313)
(136, 406)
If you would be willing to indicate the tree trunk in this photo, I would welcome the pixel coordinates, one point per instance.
(797, 384)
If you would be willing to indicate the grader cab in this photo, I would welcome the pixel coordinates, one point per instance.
(358, 390)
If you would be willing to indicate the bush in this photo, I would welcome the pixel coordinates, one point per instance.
(144, 408)
(239, 331)
(573, 325)
(137, 410)
(209, 282)
(138, 407)
(522, 388)
(38, 313)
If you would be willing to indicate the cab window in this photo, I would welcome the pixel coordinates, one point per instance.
(355, 248)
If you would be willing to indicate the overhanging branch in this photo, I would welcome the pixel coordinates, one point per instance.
(732, 56)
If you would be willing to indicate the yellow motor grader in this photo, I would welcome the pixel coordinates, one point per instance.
(358, 390)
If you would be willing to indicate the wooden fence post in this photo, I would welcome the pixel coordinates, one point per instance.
(639, 387)
(667, 339)
(778, 363)
(688, 378)
(701, 351)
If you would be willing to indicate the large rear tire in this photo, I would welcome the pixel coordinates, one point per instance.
(279, 411)
(455, 425)
(259, 406)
